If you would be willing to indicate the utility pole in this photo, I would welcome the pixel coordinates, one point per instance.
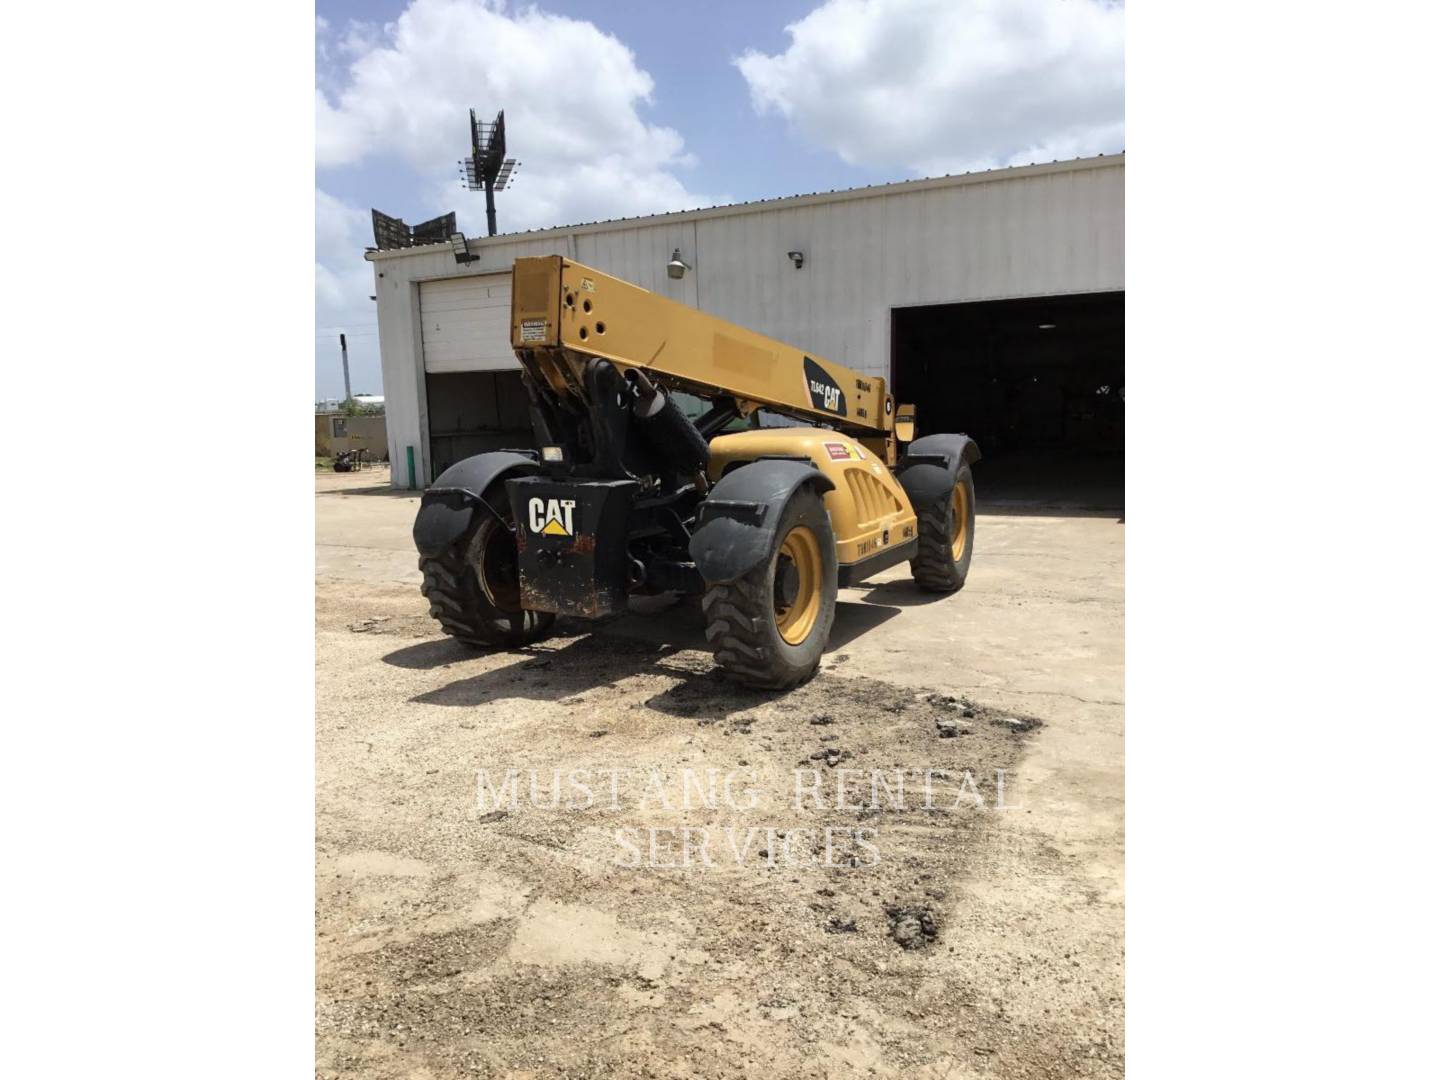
(345, 364)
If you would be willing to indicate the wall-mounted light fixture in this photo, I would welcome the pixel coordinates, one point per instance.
(1047, 326)
(677, 266)
(461, 247)
(797, 257)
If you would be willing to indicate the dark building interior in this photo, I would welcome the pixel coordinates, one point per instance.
(1038, 383)
(471, 412)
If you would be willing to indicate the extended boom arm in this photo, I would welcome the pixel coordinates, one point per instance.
(563, 313)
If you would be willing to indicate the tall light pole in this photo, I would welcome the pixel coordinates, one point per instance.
(487, 168)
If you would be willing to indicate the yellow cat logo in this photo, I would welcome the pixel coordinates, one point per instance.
(552, 517)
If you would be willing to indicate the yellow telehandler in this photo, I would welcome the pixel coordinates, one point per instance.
(626, 494)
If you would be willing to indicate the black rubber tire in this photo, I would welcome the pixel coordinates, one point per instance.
(935, 568)
(458, 601)
(740, 621)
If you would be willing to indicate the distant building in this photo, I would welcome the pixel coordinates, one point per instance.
(335, 432)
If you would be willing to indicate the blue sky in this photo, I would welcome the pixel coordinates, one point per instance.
(644, 106)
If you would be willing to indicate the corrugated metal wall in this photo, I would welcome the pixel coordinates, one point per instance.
(1034, 231)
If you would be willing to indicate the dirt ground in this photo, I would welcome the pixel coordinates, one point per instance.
(969, 924)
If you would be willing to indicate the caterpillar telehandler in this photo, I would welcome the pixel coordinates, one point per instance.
(628, 495)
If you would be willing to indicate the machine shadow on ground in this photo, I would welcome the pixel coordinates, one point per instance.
(382, 489)
(600, 663)
(894, 595)
(670, 642)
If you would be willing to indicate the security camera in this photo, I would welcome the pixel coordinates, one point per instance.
(797, 257)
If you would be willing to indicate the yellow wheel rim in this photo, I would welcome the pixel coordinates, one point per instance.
(962, 519)
(796, 619)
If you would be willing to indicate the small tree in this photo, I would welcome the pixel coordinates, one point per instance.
(351, 407)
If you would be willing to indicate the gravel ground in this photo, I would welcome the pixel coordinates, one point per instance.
(966, 926)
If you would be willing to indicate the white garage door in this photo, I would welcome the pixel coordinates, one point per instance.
(465, 324)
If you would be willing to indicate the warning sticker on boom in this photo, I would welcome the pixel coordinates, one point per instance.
(825, 392)
(532, 330)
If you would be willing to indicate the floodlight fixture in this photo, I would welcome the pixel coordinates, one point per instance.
(392, 233)
(461, 247)
(677, 266)
(487, 168)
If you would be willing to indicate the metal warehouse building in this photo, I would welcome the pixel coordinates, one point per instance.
(994, 301)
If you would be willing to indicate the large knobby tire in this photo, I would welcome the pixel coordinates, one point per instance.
(769, 627)
(947, 537)
(474, 586)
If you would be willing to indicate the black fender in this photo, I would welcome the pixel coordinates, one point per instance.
(931, 465)
(449, 504)
(735, 526)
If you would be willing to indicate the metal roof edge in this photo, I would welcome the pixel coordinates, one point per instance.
(871, 191)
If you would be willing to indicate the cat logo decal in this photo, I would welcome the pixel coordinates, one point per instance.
(552, 517)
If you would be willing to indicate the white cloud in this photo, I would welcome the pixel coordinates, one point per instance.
(572, 97)
(343, 279)
(360, 38)
(945, 86)
(400, 92)
(343, 284)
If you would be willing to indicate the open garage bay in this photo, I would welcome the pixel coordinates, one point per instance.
(1038, 382)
